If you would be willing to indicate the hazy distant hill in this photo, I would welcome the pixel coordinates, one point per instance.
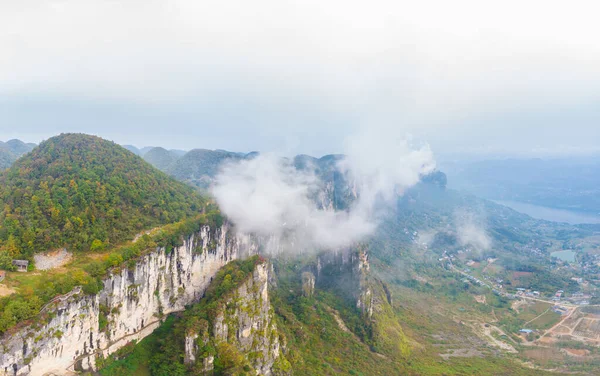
(161, 158)
(6, 158)
(132, 149)
(199, 166)
(19, 147)
(572, 184)
(11, 150)
(145, 149)
(75, 190)
(177, 152)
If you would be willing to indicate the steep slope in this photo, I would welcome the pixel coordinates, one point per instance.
(161, 158)
(83, 192)
(161, 274)
(232, 330)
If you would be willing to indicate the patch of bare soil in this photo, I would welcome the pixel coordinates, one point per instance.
(576, 352)
(486, 332)
(480, 299)
(546, 340)
(52, 260)
(5, 290)
(544, 355)
(462, 353)
(515, 305)
(562, 330)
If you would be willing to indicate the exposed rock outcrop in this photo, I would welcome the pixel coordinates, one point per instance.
(51, 260)
(129, 307)
(243, 325)
(347, 272)
(308, 284)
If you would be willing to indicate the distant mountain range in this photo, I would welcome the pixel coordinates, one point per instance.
(11, 150)
(567, 183)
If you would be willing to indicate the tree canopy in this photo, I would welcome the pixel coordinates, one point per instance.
(81, 192)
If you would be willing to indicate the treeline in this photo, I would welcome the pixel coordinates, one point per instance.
(84, 193)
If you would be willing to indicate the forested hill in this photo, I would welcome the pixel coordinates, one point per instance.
(84, 192)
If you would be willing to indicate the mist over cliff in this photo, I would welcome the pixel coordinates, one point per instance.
(268, 195)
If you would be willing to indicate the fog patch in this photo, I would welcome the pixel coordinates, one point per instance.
(471, 230)
(426, 238)
(268, 196)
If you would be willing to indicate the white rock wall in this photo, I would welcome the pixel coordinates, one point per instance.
(245, 321)
(136, 299)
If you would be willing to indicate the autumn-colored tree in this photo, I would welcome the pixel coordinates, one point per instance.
(75, 189)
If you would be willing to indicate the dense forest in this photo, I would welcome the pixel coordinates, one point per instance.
(84, 193)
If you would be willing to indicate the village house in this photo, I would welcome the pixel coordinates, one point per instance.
(21, 265)
(2, 275)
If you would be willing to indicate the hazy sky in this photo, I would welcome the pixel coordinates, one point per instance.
(299, 76)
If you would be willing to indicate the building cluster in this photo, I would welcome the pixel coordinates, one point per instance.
(532, 249)
(527, 292)
(21, 265)
(560, 310)
(579, 298)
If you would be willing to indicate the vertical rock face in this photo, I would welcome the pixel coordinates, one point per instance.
(244, 324)
(365, 299)
(308, 284)
(129, 307)
(347, 271)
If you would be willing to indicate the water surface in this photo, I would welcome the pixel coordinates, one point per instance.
(564, 255)
(551, 214)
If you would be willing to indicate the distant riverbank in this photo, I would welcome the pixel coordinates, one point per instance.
(550, 214)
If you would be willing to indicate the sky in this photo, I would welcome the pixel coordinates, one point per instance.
(473, 77)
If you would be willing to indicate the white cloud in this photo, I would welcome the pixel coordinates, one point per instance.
(462, 47)
(471, 230)
(268, 196)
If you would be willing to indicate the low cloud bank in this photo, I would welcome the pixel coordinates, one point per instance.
(268, 196)
(470, 230)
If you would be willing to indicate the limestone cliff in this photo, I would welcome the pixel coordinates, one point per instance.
(129, 307)
(240, 334)
(347, 272)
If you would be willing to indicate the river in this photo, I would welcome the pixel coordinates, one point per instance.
(551, 214)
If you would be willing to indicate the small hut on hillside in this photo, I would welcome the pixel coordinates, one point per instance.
(2, 275)
(21, 265)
